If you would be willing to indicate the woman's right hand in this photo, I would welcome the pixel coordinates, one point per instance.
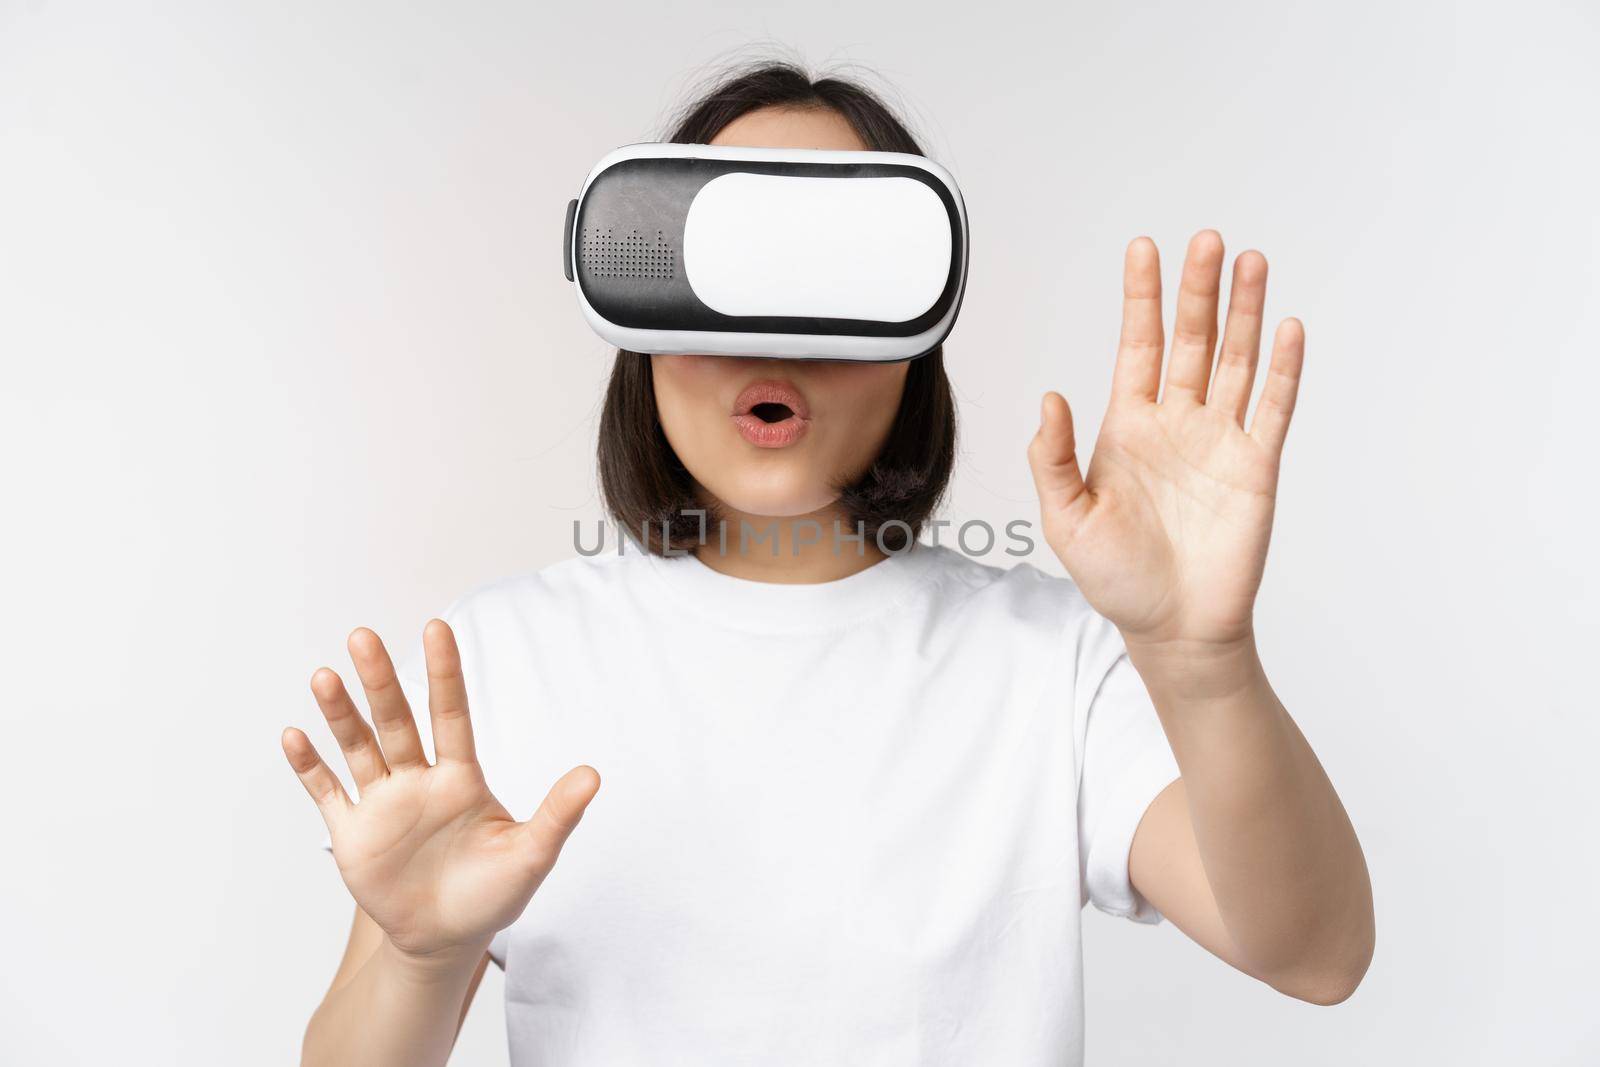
(428, 852)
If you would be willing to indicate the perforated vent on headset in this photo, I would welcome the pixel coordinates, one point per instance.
(605, 253)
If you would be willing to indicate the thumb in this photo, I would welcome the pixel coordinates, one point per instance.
(558, 815)
(1053, 455)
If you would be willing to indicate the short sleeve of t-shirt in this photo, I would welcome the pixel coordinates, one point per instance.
(1125, 762)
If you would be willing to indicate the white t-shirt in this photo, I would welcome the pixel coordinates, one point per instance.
(846, 823)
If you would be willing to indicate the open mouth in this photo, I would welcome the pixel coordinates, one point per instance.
(771, 414)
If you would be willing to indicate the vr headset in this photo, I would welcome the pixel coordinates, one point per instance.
(783, 252)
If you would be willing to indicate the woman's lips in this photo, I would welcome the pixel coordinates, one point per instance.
(779, 428)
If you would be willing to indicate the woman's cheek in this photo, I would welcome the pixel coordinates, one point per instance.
(870, 393)
(687, 390)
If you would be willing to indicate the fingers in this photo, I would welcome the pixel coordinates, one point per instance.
(1241, 339)
(447, 694)
(1276, 406)
(391, 715)
(1194, 327)
(1053, 457)
(1138, 372)
(558, 815)
(355, 737)
(321, 783)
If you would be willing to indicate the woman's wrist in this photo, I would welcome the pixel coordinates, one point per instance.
(442, 967)
(1197, 671)
(401, 1010)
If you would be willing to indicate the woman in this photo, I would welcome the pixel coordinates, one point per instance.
(857, 791)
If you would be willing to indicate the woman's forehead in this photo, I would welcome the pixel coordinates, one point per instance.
(787, 127)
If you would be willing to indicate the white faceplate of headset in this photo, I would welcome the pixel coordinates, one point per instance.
(847, 248)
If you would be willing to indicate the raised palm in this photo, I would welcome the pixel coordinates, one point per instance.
(428, 852)
(1167, 533)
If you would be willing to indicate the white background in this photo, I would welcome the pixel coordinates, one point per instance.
(287, 349)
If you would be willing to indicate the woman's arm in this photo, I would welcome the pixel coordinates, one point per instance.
(382, 1008)
(1251, 852)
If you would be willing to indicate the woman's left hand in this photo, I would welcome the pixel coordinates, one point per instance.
(1167, 533)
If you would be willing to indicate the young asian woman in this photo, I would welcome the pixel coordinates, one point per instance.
(858, 789)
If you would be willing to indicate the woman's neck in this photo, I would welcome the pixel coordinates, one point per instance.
(793, 550)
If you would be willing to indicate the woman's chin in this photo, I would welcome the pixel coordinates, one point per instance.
(760, 505)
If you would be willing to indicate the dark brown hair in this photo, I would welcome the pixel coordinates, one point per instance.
(645, 486)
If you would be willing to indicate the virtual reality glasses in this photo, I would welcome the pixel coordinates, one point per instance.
(781, 252)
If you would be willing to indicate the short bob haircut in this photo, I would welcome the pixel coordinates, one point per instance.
(646, 488)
